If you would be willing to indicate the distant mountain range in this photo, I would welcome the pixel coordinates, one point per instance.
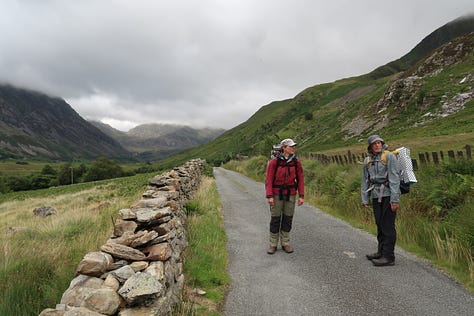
(156, 141)
(34, 125)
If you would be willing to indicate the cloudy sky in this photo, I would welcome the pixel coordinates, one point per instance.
(202, 63)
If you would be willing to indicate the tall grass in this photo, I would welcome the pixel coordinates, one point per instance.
(38, 261)
(206, 254)
(435, 221)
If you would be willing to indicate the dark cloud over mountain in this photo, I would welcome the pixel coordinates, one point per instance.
(202, 63)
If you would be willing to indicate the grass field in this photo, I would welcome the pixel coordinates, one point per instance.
(21, 167)
(40, 255)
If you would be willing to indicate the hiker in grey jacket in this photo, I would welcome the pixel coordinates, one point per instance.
(381, 182)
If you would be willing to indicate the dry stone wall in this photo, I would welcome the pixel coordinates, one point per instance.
(139, 270)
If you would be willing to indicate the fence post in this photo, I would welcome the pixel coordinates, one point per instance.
(468, 152)
(435, 157)
(422, 158)
(415, 164)
(427, 156)
(327, 159)
(451, 154)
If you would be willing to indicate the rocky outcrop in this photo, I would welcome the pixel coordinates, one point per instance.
(449, 54)
(44, 211)
(408, 90)
(139, 270)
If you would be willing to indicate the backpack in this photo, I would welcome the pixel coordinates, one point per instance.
(276, 150)
(283, 187)
(405, 167)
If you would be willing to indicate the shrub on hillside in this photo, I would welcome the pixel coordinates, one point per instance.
(103, 168)
(42, 181)
(48, 170)
(17, 183)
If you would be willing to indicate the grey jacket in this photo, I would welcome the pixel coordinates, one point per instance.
(374, 178)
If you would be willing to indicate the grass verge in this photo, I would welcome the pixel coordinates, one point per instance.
(206, 255)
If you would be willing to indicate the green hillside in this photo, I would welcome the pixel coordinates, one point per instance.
(428, 106)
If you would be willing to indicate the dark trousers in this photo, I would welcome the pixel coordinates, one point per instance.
(386, 232)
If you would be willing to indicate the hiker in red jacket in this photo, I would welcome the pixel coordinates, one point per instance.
(284, 178)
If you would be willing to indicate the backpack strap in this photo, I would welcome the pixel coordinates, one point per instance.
(278, 164)
(383, 157)
(285, 186)
(367, 160)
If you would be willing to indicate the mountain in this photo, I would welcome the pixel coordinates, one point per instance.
(157, 141)
(458, 27)
(36, 126)
(426, 93)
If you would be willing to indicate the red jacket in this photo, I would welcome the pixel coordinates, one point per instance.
(288, 176)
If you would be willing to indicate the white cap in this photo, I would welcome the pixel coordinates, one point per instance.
(288, 142)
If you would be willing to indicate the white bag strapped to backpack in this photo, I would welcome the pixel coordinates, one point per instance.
(406, 166)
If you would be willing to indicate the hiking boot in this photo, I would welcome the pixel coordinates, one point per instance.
(271, 250)
(287, 248)
(373, 256)
(383, 261)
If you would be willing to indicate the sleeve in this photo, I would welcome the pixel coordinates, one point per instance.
(364, 185)
(393, 178)
(300, 178)
(270, 173)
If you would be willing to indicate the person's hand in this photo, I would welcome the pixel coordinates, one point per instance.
(300, 201)
(394, 207)
(366, 205)
(271, 201)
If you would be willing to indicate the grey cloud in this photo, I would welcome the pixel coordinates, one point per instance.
(207, 63)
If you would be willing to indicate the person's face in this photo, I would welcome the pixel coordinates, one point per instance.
(289, 150)
(376, 147)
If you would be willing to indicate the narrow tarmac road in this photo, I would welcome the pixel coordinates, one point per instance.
(328, 273)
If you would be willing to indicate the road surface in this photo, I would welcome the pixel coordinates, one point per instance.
(328, 273)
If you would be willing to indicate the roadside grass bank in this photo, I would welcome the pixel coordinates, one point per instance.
(39, 255)
(435, 221)
(205, 264)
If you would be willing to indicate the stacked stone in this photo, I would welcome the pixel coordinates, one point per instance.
(139, 270)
